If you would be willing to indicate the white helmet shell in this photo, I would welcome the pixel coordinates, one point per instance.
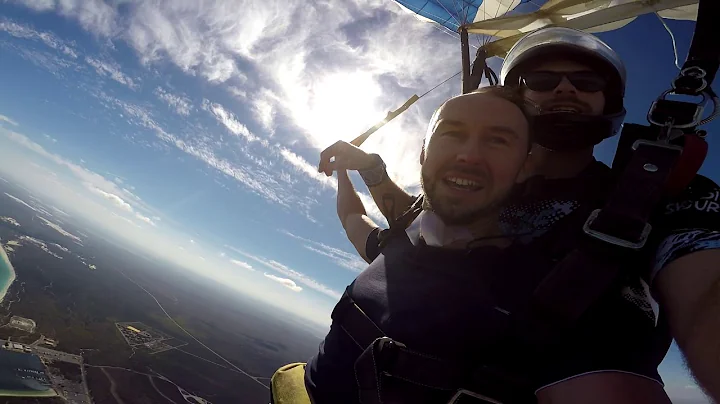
(552, 43)
(549, 40)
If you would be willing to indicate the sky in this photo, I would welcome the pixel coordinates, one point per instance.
(192, 130)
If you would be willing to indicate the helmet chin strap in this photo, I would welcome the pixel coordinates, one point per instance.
(567, 131)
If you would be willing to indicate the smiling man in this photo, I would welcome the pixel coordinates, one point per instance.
(669, 289)
(470, 166)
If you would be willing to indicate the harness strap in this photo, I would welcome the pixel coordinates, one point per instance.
(355, 322)
(387, 357)
(616, 231)
(640, 188)
(384, 357)
(704, 51)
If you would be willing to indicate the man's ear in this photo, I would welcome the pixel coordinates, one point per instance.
(528, 168)
(422, 155)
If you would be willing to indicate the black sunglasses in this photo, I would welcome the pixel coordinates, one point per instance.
(584, 81)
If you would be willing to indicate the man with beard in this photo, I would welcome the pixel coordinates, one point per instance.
(613, 352)
(470, 165)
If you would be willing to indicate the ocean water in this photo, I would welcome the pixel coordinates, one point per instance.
(7, 274)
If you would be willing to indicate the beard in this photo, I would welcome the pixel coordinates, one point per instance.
(454, 212)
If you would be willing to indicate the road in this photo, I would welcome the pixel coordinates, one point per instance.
(181, 390)
(113, 387)
(254, 378)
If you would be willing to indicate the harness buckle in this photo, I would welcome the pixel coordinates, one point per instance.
(386, 351)
(662, 144)
(608, 238)
(464, 396)
(680, 113)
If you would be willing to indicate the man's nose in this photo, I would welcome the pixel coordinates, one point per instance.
(473, 153)
(565, 86)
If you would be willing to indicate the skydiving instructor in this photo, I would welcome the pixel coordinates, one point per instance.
(676, 291)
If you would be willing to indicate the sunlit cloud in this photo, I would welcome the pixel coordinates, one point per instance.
(116, 200)
(145, 219)
(4, 118)
(288, 283)
(112, 70)
(93, 15)
(181, 104)
(337, 78)
(241, 264)
(290, 273)
(20, 201)
(25, 32)
(347, 260)
(230, 122)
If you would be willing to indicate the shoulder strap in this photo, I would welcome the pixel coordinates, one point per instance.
(611, 235)
(400, 223)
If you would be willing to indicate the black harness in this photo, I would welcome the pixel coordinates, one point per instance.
(651, 162)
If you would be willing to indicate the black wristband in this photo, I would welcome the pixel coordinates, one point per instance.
(375, 174)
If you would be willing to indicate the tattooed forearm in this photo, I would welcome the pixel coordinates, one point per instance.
(388, 206)
(390, 199)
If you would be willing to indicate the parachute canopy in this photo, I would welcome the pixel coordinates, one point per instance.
(503, 22)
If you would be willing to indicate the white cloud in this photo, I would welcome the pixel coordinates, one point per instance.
(144, 218)
(308, 169)
(93, 15)
(116, 200)
(20, 201)
(179, 103)
(4, 118)
(241, 264)
(351, 261)
(288, 283)
(177, 30)
(111, 69)
(264, 109)
(230, 121)
(25, 32)
(60, 230)
(290, 273)
(342, 74)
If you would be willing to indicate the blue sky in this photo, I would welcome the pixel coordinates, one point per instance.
(191, 130)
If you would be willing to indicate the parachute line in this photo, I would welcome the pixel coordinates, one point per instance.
(672, 38)
(451, 14)
(443, 82)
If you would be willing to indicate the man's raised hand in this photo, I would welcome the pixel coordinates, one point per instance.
(343, 156)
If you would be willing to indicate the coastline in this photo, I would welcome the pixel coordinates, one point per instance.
(6, 287)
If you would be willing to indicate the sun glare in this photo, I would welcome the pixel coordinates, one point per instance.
(341, 106)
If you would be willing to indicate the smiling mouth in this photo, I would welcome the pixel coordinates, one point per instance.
(566, 108)
(463, 184)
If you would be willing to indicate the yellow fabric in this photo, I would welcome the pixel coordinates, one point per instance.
(288, 385)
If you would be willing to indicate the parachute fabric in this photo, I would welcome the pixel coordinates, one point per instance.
(503, 22)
